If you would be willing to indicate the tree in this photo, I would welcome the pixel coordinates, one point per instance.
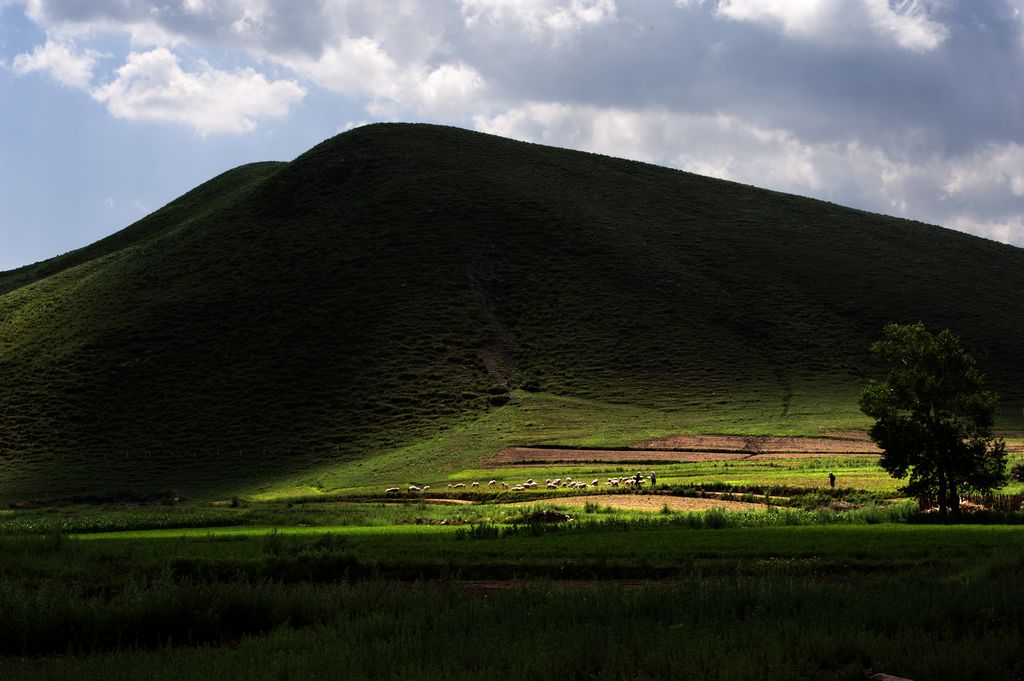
(933, 419)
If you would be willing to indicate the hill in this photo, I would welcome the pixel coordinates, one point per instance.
(404, 298)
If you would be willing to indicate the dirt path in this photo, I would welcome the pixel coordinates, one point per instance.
(647, 502)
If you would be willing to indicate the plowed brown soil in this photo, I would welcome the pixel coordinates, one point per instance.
(693, 448)
(847, 443)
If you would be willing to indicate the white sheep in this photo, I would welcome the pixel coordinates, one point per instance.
(476, 484)
(595, 482)
(414, 488)
(492, 483)
(551, 486)
(426, 487)
(392, 490)
(518, 488)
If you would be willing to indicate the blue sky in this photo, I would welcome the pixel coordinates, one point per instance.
(111, 108)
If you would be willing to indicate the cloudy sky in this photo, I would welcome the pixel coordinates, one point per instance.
(111, 108)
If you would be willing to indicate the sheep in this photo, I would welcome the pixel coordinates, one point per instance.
(505, 485)
(595, 483)
(458, 485)
(518, 488)
(414, 488)
(550, 486)
(426, 487)
(530, 481)
(492, 483)
(392, 490)
(476, 484)
(556, 481)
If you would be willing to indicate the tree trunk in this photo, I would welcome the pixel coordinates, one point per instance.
(954, 499)
(942, 495)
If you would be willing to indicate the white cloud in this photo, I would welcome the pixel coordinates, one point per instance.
(63, 61)
(905, 22)
(901, 106)
(358, 67)
(992, 170)
(152, 86)
(981, 193)
(1009, 231)
(361, 67)
(539, 18)
(717, 145)
(450, 89)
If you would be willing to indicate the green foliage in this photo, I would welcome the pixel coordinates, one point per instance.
(933, 419)
(727, 628)
(361, 311)
(856, 598)
(85, 519)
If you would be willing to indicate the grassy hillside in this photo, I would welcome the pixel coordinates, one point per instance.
(370, 307)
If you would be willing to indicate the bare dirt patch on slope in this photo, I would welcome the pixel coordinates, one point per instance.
(845, 443)
(695, 448)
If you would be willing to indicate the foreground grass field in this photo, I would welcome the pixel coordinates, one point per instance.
(803, 582)
(611, 596)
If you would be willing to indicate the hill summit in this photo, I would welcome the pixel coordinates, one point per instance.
(399, 283)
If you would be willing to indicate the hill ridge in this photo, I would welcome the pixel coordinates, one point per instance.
(411, 297)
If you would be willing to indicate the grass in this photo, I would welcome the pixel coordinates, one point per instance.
(728, 629)
(404, 299)
(384, 590)
(732, 601)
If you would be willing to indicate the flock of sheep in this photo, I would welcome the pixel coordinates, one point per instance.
(558, 483)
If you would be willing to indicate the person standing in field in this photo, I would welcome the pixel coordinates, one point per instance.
(831, 479)
(654, 479)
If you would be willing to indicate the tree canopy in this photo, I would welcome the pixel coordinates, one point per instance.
(933, 419)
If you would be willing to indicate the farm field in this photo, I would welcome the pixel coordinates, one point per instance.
(692, 580)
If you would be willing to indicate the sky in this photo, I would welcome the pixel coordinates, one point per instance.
(111, 108)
